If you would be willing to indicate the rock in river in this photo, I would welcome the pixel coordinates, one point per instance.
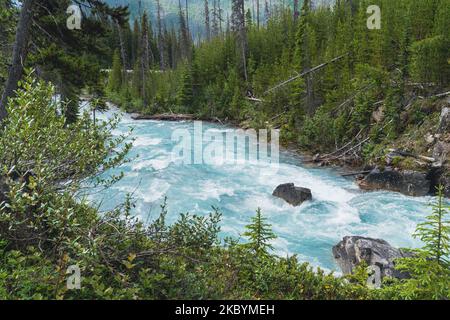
(375, 252)
(292, 194)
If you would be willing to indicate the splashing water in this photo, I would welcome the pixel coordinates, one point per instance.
(338, 208)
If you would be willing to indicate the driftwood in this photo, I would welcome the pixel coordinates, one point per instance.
(440, 95)
(164, 116)
(255, 99)
(417, 84)
(411, 155)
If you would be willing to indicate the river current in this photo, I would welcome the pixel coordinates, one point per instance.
(338, 208)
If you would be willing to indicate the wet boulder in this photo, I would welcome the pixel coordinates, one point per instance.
(353, 250)
(411, 183)
(292, 194)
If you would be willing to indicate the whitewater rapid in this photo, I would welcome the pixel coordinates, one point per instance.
(338, 208)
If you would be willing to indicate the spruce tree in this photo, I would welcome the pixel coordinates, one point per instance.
(260, 234)
(435, 231)
(115, 76)
(185, 93)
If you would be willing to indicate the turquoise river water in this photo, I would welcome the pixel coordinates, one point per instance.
(338, 209)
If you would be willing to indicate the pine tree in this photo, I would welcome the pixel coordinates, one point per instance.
(302, 58)
(185, 94)
(296, 12)
(435, 231)
(184, 34)
(162, 62)
(215, 19)
(258, 8)
(115, 76)
(238, 26)
(136, 43)
(260, 234)
(207, 24)
(145, 57)
(266, 12)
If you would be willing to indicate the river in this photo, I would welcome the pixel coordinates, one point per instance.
(338, 208)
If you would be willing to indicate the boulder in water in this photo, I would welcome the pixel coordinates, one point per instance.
(351, 251)
(292, 194)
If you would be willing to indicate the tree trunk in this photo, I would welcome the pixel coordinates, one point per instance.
(220, 16)
(160, 39)
(145, 57)
(238, 22)
(19, 55)
(257, 13)
(187, 17)
(296, 12)
(123, 51)
(208, 29)
(215, 23)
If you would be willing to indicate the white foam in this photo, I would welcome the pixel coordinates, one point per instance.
(157, 190)
(157, 164)
(211, 189)
(144, 141)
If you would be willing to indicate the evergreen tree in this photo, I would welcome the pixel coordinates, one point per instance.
(185, 93)
(207, 24)
(145, 57)
(115, 76)
(238, 26)
(260, 234)
(184, 34)
(136, 36)
(435, 231)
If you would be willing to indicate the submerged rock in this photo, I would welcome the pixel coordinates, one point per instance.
(292, 194)
(411, 183)
(351, 251)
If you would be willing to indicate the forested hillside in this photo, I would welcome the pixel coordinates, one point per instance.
(333, 86)
(220, 10)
